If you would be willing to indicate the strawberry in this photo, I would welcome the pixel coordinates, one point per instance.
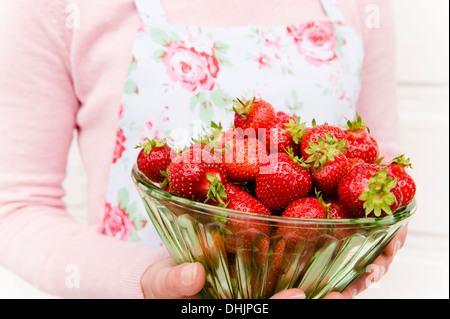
(283, 179)
(369, 190)
(359, 141)
(406, 183)
(336, 210)
(225, 140)
(243, 159)
(154, 158)
(284, 118)
(312, 136)
(215, 138)
(279, 139)
(328, 163)
(254, 117)
(195, 172)
(285, 135)
(305, 208)
(241, 231)
(352, 162)
(266, 251)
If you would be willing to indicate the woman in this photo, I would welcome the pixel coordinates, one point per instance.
(65, 65)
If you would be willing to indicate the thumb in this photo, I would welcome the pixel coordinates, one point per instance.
(166, 280)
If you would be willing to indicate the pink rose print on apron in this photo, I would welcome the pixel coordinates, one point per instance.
(181, 78)
(316, 41)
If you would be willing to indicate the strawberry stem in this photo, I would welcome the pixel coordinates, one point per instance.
(243, 106)
(357, 125)
(402, 161)
(297, 160)
(324, 150)
(216, 191)
(325, 205)
(296, 129)
(149, 145)
(379, 198)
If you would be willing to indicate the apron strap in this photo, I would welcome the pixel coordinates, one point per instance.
(332, 10)
(151, 12)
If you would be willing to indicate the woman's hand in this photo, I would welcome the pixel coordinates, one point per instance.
(379, 267)
(166, 280)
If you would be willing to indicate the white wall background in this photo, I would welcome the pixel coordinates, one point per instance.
(421, 269)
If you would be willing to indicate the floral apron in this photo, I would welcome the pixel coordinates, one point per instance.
(181, 77)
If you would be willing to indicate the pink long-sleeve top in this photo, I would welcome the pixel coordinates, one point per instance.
(57, 77)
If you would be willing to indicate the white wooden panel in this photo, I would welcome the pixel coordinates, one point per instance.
(422, 36)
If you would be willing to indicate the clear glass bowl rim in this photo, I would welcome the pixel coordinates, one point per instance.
(200, 208)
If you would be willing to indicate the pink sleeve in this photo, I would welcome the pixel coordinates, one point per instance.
(378, 101)
(38, 239)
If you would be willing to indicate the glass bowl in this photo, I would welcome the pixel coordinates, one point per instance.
(253, 265)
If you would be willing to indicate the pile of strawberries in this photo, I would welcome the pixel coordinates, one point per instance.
(271, 163)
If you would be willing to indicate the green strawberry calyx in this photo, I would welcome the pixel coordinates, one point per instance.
(210, 135)
(325, 150)
(300, 161)
(357, 125)
(243, 106)
(378, 198)
(402, 161)
(216, 191)
(165, 182)
(322, 201)
(149, 145)
(296, 129)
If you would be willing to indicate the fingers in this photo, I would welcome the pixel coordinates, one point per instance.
(397, 243)
(336, 295)
(373, 274)
(166, 280)
(378, 268)
(290, 294)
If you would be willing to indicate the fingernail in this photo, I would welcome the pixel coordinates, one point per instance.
(298, 296)
(188, 274)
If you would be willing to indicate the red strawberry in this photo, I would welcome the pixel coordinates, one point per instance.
(252, 116)
(286, 135)
(283, 179)
(194, 172)
(406, 183)
(284, 118)
(225, 140)
(154, 158)
(216, 139)
(352, 162)
(336, 210)
(369, 190)
(328, 163)
(312, 136)
(269, 253)
(243, 159)
(279, 139)
(232, 188)
(359, 141)
(305, 208)
(241, 231)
